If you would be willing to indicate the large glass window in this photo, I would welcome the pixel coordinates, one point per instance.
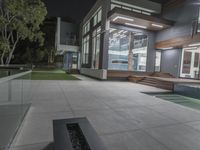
(199, 22)
(96, 48)
(158, 61)
(85, 48)
(127, 50)
(97, 17)
(190, 62)
(86, 28)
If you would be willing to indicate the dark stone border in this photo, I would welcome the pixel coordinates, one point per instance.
(62, 139)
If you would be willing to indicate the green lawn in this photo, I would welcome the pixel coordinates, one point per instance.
(51, 70)
(51, 76)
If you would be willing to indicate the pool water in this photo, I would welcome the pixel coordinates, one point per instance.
(178, 99)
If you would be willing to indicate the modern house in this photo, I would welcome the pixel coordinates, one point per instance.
(124, 37)
(66, 43)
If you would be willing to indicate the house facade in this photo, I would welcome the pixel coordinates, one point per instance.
(67, 45)
(124, 37)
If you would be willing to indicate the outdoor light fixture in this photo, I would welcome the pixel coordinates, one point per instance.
(157, 25)
(167, 48)
(195, 44)
(123, 18)
(135, 25)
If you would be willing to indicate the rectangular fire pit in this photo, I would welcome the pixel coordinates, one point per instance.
(75, 134)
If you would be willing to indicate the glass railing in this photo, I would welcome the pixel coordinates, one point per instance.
(15, 93)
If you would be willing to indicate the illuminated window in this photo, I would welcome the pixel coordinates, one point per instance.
(199, 22)
(96, 48)
(119, 50)
(85, 52)
(157, 61)
(97, 17)
(86, 28)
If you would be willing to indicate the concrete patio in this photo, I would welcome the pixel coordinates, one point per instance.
(123, 117)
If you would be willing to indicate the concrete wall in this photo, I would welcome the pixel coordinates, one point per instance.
(183, 16)
(98, 74)
(171, 61)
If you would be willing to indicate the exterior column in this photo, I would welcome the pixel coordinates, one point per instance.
(130, 53)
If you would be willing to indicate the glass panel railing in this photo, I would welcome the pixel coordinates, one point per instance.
(15, 92)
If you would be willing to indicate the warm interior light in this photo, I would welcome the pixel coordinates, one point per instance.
(157, 25)
(195, 44)
(167, 48)
(135, 25)
(123, 18)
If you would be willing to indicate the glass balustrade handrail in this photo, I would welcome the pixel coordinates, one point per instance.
(8, 78)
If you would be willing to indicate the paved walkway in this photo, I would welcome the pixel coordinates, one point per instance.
(123, 117)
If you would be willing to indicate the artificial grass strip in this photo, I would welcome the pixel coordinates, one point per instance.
(51, 76)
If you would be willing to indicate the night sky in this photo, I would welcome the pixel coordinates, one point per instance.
(75, 9)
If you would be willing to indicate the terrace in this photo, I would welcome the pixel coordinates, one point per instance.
(123, 116)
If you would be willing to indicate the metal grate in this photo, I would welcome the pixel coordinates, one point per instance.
(77, 138)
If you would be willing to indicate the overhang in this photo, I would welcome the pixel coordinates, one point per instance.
(138, 20)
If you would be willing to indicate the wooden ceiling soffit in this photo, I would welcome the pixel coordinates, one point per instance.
(178, 42)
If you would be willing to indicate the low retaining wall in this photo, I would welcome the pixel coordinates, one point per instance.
(191, 90)
(95, 73)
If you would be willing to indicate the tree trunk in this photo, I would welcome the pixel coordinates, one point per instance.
(11, 53)
(2, 58)
(130, 53)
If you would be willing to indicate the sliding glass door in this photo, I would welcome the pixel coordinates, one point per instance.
(190, 63)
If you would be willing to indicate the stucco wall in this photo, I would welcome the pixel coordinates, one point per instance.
(171, 61)
(183, 17)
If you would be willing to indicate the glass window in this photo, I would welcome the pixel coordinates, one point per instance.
(86, 28)
(158, 61)
(127, 51)
(190, 62)
(199, 22)
(85, 53)
(96, 48)
(95, 20)
(97, 17)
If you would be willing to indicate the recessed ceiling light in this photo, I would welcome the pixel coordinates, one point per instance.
(123, 18)
(135, 25)
(157, 25)
(190, 48)
(195, 44)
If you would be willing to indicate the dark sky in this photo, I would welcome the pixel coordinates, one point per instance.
(75, 9)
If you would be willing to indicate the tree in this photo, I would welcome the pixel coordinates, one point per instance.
(19, 20)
